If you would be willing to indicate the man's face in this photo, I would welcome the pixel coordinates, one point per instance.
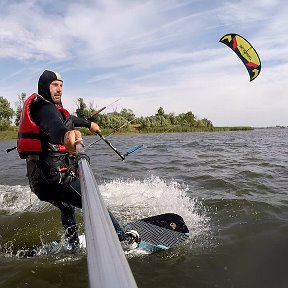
(56, 91)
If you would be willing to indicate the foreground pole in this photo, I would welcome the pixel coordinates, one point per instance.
(107, 263)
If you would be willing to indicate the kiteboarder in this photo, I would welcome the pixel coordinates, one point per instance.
(47, 139)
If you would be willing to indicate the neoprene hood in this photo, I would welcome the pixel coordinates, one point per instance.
(44, 82)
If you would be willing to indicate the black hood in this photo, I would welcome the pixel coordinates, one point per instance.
(44, 82)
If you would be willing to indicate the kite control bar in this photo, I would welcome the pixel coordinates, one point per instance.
(96, 113)
(111, 146)
(122, 156)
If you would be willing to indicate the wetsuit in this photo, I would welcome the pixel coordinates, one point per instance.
(51, 172)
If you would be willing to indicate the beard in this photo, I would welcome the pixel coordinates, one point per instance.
(56, 98)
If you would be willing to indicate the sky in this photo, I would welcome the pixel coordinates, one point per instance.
(150, 54)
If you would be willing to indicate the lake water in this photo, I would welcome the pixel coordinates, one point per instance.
(230, 188)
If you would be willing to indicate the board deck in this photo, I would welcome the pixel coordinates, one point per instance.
(160, 232)
(155, 234)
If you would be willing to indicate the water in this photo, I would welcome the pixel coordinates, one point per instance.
(229, 187)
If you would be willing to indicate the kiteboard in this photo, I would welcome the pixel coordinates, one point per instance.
(147, 235)
(157, 233)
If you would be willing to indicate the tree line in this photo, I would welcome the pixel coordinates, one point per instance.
(154, 123)
(125, 119)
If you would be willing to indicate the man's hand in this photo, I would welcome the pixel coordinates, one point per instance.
(70, 140)
(94, 128)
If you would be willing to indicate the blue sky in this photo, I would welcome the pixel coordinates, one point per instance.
(150, 54)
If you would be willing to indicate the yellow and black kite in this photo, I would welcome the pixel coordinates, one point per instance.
(245, 51)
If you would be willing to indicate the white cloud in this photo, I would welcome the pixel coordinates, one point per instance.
(150, 54)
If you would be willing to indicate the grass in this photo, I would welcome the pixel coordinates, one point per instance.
(9, 134)
(12, 133)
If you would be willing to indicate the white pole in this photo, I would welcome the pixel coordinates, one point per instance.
(107, 263)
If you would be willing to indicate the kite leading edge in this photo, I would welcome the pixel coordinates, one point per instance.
(245, 52)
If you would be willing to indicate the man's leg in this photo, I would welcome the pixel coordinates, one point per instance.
(74, 195)
(69, 222)
(119, 230)
(56, 195)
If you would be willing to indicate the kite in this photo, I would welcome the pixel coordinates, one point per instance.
(245, 52)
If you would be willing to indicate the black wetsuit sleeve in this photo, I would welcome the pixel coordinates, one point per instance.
(50, 121)
(80, 122)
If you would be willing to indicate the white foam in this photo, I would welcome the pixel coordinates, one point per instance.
(135, 199)
(128, 199)
(15, 199)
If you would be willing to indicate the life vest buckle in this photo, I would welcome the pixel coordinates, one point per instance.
(64, 169)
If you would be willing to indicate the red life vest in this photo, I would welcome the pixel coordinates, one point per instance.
(29, 136)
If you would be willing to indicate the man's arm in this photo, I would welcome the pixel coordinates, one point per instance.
(70, 140)
(50, 121)
(80, 122)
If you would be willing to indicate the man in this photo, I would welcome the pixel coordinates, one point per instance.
(46, 139)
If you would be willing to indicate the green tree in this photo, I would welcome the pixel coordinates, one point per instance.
(162, 120)
(187, 119)
(6, 113)
(127, 114)
(154, 123)
(190, 118)
(82, 110)
(173, 119)
(19, 108)
(207, 123)
(160, 112)
(146, 123)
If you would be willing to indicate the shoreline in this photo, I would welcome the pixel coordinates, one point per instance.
(12, 134)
